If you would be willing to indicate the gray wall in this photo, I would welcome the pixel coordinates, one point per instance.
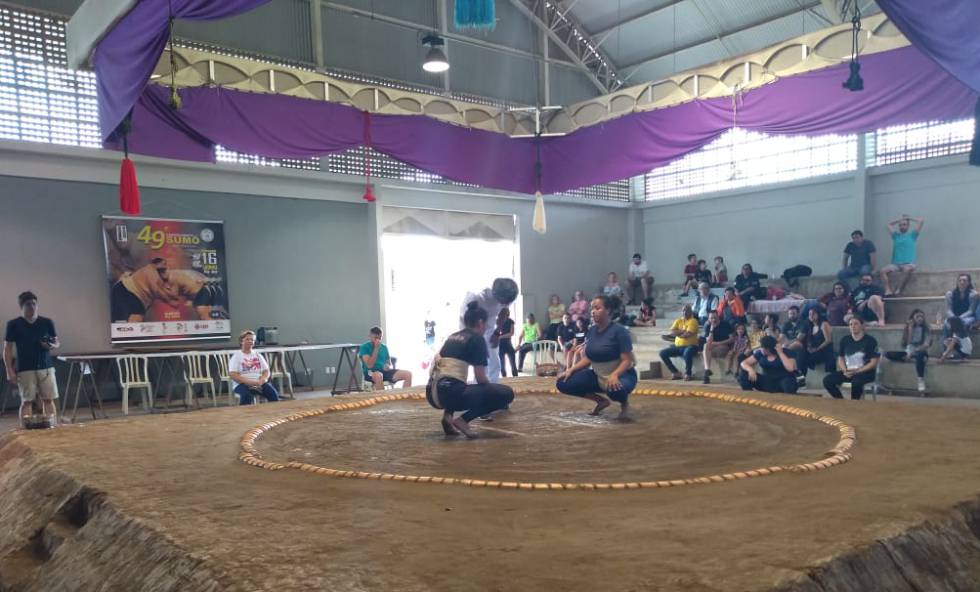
(810, 222)
(290, 261)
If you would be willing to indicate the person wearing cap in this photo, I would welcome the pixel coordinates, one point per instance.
(502, 293)
(638, 276)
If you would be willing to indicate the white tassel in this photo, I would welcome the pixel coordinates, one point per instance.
(539, 224)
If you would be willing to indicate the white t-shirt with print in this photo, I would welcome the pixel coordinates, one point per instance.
(638, 270)
(250, 366)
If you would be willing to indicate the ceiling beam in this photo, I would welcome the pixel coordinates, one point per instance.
(636, 17)
(833, 11)
(573, 41)
(806, 5)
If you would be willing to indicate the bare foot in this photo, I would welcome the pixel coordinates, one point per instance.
(460, 424)
(624, 413)
(447, 425)
(599, 406)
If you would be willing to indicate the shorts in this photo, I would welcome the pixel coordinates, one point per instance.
(386, 375)
(210, 295)
(867, 314)
(898, 267)
(32, 382)
(124, 303)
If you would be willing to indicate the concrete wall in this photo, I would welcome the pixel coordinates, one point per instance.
(810, 222)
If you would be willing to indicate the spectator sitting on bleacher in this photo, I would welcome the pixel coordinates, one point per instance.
(721, 273)
(792, 329)
(857, 361)
(377, 363)
(731, 309)
(916, 341)
(778, 369)
(648, 314)
(867, 301)
(770, 326)
(740, 347)
(958, 346)
(755, 333)
(612, 287)
(638, 276)
(961, 302)
(705, 303)
(703, 274)
(555, 312)
(685, 333)
(565, 336)
(579, 306)
(689, 270)
(718, 339)
(859, 257)
(837, 304)
(573, 353)
(903, 251)
(749, 286)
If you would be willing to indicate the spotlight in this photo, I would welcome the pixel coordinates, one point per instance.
(854, 82)
(435, 61)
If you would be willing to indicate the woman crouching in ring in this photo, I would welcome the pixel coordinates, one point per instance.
(609, 352)
(447, 388)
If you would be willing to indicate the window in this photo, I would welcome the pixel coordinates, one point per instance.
(223, 155)
(742, 158)
(916, 141)
(41, 99)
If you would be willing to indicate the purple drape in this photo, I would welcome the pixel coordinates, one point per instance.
(947, 31)
(901, 86)
(125, 58)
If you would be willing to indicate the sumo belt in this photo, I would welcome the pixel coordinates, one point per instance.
(446, 368)
(604, 369)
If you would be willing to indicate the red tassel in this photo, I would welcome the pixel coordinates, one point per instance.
(368, 188)
(129, 189)
(369, 193)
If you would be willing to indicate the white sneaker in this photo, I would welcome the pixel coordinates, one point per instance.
(922, 385)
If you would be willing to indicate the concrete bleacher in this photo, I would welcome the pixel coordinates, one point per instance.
(926, 290)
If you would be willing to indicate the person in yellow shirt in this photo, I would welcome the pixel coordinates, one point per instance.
(685, 333)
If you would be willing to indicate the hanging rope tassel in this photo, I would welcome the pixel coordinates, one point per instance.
(129, 189)
(539, 222)
(368, 188)
(175, 101)
(475, 14)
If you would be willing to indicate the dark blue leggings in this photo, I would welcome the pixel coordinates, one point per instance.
(586, 382)
(475, 400)
(247, 395)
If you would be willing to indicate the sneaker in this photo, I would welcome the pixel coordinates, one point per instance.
(707, 376)
(675, 376)
(922, 385)
(688, 377)
(801, 381)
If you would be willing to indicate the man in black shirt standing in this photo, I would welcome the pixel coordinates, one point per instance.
(857, 361)
(34, 337)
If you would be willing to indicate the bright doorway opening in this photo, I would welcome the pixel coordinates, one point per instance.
(426, 279)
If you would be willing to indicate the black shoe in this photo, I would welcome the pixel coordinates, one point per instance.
(707, 376)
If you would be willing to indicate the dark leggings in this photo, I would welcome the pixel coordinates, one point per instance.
(506, 351)
(832, 383)
(476, 400)
(247, 395)
(808, 361)
(920, 358)
(585, 382)
(526, 347)
(781, 383)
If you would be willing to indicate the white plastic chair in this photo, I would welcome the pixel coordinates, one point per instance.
(134, 374)
(197, 370)
(544, 351)
(224, 380)
(278, 372)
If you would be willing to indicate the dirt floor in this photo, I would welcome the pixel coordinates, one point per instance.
(179, 475)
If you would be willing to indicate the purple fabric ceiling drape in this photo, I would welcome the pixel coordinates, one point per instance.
(901, 86)
(125, 58)
(947, 31)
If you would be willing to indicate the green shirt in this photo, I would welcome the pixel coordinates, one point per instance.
(530, 333)
(379, 363)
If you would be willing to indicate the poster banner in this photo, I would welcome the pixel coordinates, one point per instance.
(167, 279)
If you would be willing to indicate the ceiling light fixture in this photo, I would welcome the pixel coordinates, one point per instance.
(435, 60)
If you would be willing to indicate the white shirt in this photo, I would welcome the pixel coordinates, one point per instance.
(487, 302)
(640, 270)
(250, 366)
